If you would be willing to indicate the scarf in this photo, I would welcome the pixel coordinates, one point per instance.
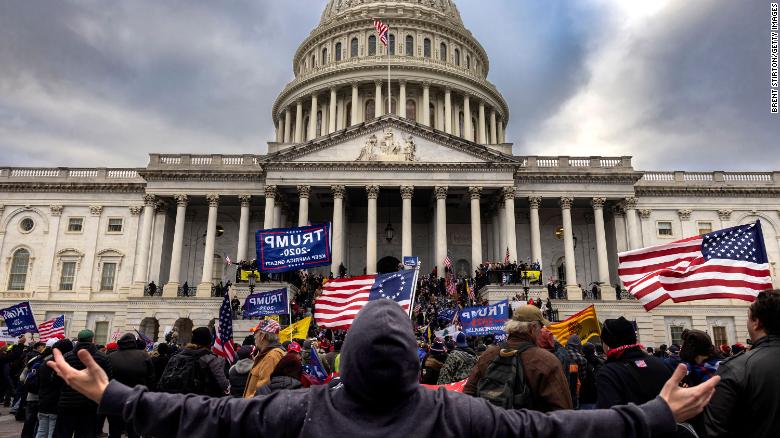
(616, 353)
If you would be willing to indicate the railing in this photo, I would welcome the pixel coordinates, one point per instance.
(579, 162)
(170, 159)
(201, 160)
(658, 176)
(510, 277)
(148, 292)
(624, 294)
(712, 177)
(83, 173)
(233, 160)
(189, 291)
(747, 177)
(564, 162)
(547, 162)
(122, 174)
(35, 172)
(610, 162)
(698, 176)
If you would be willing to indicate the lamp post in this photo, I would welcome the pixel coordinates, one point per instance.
(252, 282)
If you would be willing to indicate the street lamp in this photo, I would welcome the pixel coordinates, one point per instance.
(389, 232)
(252, 282)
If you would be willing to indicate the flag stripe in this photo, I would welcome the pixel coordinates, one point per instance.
(52, 328)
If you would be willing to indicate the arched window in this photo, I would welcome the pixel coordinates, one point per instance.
(353, 48)
(409, 45)
(370, 110)
(318, 132)
(348, 114)
(338, 52)
(443, 52)
(411, 110)
(391, 44)
(432, 116)
(457, 57)
(427, 47)
(20, 262)
(324, 58)
(468, 61)
(371, 45)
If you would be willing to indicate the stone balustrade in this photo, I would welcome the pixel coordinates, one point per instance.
(717, 177)
(65, 173)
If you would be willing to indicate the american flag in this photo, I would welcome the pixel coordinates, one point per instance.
(148, 341)
(342, 298)
(381, 29)
(506, 256)
(448, 262)
(728, 263)
(451, 286)
(53, 328)
(223, 345)
(470, 292)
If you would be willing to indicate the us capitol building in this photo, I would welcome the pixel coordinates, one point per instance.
(434, 175)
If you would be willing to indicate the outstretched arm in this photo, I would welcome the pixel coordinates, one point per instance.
(178, 415)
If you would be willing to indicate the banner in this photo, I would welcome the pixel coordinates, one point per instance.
(484, 320)
(5, 337)
(296, 330)
(451, 331)
(246, 273)
(273, 302)
(19, 319)
(288, 249)
(411, 262)
(454, 386)
(584, 324)
(532, 276)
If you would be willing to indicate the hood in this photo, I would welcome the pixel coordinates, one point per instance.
(379, 357)
(574, 342)
(243, 366)
(545, 340)
(127, 342)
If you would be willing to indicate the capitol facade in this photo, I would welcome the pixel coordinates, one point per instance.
(422, 168)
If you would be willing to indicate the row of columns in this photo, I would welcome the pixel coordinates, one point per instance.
(503, 222)
(490, 129)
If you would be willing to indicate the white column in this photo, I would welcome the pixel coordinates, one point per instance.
(426, 107)
(243, 228)
(341, 120)
(467, 128)
(332, 113)
(303, 205)
(441, 227)
(634, 238)
(448, 110)
(170, 289)
(502, 230)
(536, 241)
(574, 292)
(607, 291)
(511, 231)
(313, 117)
(278, 212)
(373, 194)
(204, 288)
(501, 138)
(280, 129)
(493, 131)
(476, 229)
(355, 103)
(287, 126)
(270, 200)
(142, 265)
(481, 128)
(299, 122)
(406, 221)
(440, 113)
(379, 103)
(337, 240)
(402, 99)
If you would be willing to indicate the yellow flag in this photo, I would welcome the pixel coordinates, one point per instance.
(296, 330)
(584, 324)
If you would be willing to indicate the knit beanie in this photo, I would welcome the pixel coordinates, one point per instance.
(202, 336)
(618, 332)
(695, 343)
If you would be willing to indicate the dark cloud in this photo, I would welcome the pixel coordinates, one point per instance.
(87, 83)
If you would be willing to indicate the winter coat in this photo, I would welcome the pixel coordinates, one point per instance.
(379, 396)
(542, 370)
(432, 365)
(159, 362)
(263, 366)
(634, 377)
(238, 375)
(49, 387)
(217, 382)
(130, 365)
(279, 383)
(70, 399)
(458, 365)
(746, 401)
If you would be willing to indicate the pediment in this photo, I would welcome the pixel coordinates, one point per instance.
(390, 139)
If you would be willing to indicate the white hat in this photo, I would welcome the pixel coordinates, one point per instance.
(50, 343)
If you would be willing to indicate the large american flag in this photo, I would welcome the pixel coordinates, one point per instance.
(381, 29)
(728, 263)
(448, 262)
(223, 345)
(342, 298)
(53, 328)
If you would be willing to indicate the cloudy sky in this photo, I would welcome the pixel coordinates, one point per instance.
(677, 84)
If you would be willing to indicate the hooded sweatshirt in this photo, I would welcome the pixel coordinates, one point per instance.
(379, 397)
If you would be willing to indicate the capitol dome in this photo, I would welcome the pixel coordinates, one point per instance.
(438, 74)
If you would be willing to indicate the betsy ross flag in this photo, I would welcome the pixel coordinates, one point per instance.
(53, 328)
(728, 263)
(223, 344)
(381, 29)
(342, 298)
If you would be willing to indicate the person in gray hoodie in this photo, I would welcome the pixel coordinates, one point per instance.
(379, 397)
(239, 372)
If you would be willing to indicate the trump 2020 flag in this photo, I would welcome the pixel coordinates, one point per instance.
(342, 298)
(728, 263)
(19, 319)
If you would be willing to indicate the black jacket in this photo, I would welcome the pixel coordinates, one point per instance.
(636, 377)
(70, 399)
(279, 383)
(379, 397)
(746, 401)
(130, 365)
(49, 386)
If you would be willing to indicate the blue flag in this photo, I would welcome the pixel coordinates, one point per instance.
(289, 249)
(272, 302)
(19, 319)
(314, 368)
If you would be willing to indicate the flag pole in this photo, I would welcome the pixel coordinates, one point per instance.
(389, 89)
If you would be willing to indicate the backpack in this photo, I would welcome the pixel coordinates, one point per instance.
(185, 374)
(30, 375)
(504, 382)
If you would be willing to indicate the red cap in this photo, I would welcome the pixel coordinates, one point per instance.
(111, 346)
(294, 347)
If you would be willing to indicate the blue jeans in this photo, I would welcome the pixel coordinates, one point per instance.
(46, 424)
